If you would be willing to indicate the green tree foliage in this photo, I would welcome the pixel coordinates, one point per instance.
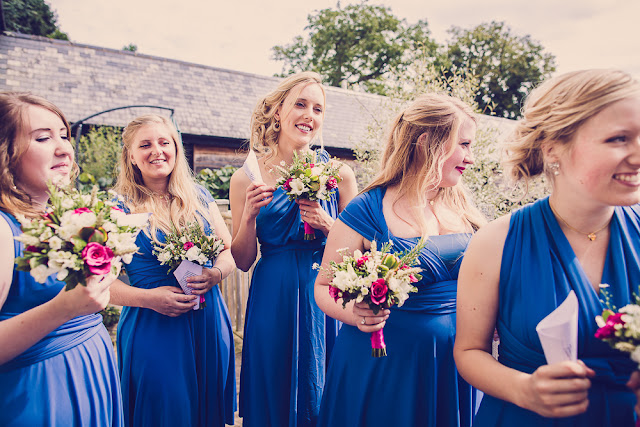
(506, 65)
(131, 47)
(98, 154)
(354, 46)
(32, 17)
(216, 181)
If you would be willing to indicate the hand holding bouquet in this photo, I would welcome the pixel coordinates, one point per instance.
(620, 328)
(191, 248)
(80, 235)
(378, 277)
(305, 178)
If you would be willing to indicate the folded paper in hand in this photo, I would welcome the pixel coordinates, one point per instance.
(184, 270)
(558, 332)
(251, 168)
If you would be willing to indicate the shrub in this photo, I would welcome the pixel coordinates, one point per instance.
(216, 181)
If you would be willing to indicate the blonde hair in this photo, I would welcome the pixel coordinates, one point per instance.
(265, 129)
(555, 110)
(185, 202)
(13, 111)
(421, 139)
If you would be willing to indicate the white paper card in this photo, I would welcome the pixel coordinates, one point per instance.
(251, 168)
(558, 332)
(184, 270)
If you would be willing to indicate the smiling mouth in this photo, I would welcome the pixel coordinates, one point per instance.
(157, 161)
(631, 178)
(304, 128)
(61, 166)
(461, 170)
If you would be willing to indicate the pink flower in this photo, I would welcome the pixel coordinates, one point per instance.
(609, 329)
(32, 248)
(287, 185)
(116, 209)
(81, 211)
(98, 258)
(379, 292)
(187, 246)
(332, 183)
(360, 262)
(334, 292)
(412, 278)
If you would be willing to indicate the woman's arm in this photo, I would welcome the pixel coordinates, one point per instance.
(246, 199)
(19, 333)
(343, 236)
(348, 187)
(558, 390)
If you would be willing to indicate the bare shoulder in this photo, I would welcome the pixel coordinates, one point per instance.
(240, 179)
(485, 248)
(7, 258)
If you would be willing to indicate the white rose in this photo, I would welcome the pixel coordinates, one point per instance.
(193, 254)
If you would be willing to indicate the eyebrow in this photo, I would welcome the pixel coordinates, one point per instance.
(46, 130)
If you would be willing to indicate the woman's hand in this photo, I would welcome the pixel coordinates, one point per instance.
(558, 390)
(89, 299)
(315, 216)
(171, 301)
(209, 278)
(366, 320)
(257, 196)
(634, 385)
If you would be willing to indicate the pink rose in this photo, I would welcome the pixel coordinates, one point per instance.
(287, 185)
(379, 292)
(332, 183)
(81, 211)
(187, 246)
(609, 329)
(334, 292)
(360, 262)
(98, 258)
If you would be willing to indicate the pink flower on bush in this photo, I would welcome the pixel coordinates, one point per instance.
(609, 329)
(361, 261)
(379, 292)
(332, 183)
(98, 258)
(81, 211)
(188, 246)
(287, 185)
(334, 292)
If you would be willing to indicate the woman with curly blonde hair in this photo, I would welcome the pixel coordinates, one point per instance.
(286, 338)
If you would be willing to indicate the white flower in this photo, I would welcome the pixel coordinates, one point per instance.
(122, 243)
(163, 257)
(62, 259)
(71, 223)
(193, 254)
(55, 243)
(345, 279)
(28, 239)
(66, 204)
(41, 272)
(316, 170)
(635, 355)
(109, 227)
(46, 234)
(297, 187)
(62, 274)
(127, 258)
(138, 220)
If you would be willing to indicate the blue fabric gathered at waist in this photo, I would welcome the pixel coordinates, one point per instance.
(609, 372)
(435, 298)
(70, 334)
(310, 245)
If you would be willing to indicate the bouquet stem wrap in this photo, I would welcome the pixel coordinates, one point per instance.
(378, 347)
(309, 232)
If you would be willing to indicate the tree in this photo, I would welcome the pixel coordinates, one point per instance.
(507, 66)
(32, 17)
(98, 154)
(355, 46)
(131, 47)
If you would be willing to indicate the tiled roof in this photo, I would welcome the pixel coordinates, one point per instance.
(83, 80)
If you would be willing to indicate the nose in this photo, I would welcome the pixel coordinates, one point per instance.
(634, 156)
(64, 148)
(469, 158)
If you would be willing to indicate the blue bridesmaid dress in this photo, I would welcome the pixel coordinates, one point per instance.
(287, 338)
(69, 378)
(539, 265)
(417, 384)
(175, 371)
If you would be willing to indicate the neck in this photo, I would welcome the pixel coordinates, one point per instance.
(581, 216)
(285, 152)
(159, 186)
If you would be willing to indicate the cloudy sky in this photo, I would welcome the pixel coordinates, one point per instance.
(239, 34)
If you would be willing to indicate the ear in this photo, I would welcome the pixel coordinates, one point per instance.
(133, 162)
(550, 152)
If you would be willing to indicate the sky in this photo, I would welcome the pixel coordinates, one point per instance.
(239, 34)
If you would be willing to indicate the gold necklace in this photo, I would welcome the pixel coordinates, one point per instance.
(591, 236)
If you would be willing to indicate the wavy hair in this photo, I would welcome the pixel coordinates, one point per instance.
(13, 113)
(556, 109)
(421, 139)
(265, 129)
(185, 202)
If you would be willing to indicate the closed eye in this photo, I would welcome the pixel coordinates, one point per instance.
(617, 138)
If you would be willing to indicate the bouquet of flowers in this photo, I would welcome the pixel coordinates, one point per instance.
(305, 178)
(79, 236)
(620, 328)
(378, 277)
(185, 253)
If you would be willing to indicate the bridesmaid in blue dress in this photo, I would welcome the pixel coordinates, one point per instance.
(287, 339)
(177, 365)
(57, 366)
(583, 130)
(417, 194)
